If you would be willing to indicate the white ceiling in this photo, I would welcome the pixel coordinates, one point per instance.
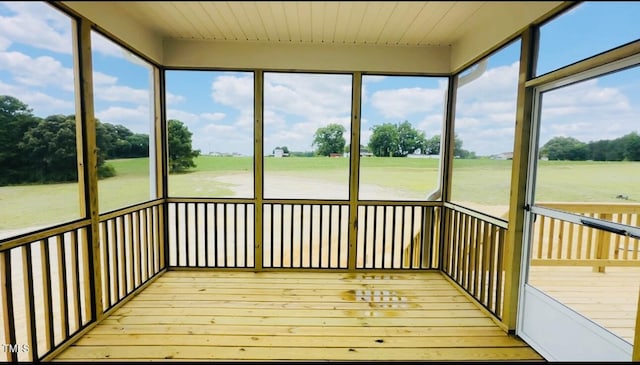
(471, 26)
(411, 23)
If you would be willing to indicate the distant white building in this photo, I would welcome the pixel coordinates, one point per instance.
(416, 155)
(278, 152)
(503, 156)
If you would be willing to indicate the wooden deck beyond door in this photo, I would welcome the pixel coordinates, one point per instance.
(216, 315)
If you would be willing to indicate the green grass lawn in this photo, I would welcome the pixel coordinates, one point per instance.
(481, 181)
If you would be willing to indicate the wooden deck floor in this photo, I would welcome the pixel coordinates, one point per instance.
(196, 315)
(609, 299)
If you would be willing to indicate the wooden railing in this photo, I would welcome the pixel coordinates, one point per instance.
(395, 237)
(559, 242)
(472, 254)
(211, 233)
(47, 287)
(305, 236)
(131, 250)
(219, 233)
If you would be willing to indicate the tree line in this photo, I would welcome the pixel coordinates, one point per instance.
(43, 150)
(387, 140)
(625, 148)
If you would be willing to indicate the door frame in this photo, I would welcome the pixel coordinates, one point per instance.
(556, 331)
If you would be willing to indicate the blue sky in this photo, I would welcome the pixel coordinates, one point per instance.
(36, 67)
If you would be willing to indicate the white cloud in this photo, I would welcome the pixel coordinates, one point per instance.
(173, 99)
(42, 104)
(213, 116)
(245, 120)
(101, 79)
(224, 138)
(587, 111)
(233, 91)
(37, 71)
(218, 128)
(403, 102)
(138, 119)
(486, 111)
(485, 114)
(102, 45)
(308, 95)
(296, 105)
(185, 117)
(36, 24)
(126, 94)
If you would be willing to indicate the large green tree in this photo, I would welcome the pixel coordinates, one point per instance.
(565, 148)
(329, 139)
(181, 154)
(117, 141)
(396, 140)
(384, 140)
(409, 139)
(630, 144)
(50, 145)
(15, 120)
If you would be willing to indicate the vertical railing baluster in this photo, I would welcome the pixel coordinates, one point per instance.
(422, 246)
(30, 320)
(206, 234)
(225, 239)
(492, 269)
(363, 224)
(271, 209)
(569, 254)
(476, 259)
(301, 234)
(455, 257)
(47, 299)
(486, 269)
(116, 258)
(151, 238)
(375, 232)
(131, 279)
(8, 315)
(499, 261)
(196, 238)
(128, 277)
(393, 236)
(106, 268)
(331, 209)
(138, 246)
(215, 235)
(236, 234)
(62, 285)
(292, 235)
(187, 241)
(321, 236)
(75, 280)
(247, 240)
(340, 264)
(311, 235)
(281, 240)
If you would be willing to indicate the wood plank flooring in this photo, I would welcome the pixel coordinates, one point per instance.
(609, 299)
(226, 316)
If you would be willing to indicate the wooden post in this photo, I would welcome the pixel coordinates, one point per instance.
(519, 175)
(161, 143)
(446, 167)
(636, 336)
(258, 170)
(354, 169)
(88, 158)
(603, 244)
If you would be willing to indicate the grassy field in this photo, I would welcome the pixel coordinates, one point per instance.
(481, 181)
